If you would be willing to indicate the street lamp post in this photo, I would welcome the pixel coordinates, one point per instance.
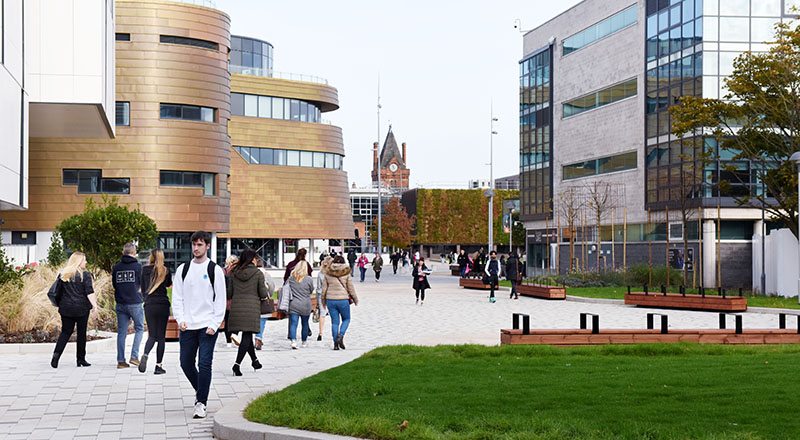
(377, 148)
(490, 192)
(796, 159)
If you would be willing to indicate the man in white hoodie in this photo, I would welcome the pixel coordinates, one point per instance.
(198, 302)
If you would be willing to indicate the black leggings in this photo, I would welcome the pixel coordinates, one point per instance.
(246, 346)
(227, 332)
(493, 283)
(67, 324)
(418, 294)
(157, 316)
(377, 274)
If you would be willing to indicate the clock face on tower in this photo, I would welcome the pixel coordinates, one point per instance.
(393, 167)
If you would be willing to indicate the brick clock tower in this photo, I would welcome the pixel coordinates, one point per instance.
(394, 174)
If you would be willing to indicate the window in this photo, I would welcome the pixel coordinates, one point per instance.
(92, 182)
(123, 36)
(187, 112)
(186, 41)
(23, 237)
(600, 98)
(196, 179)
(273, 107)
(123, 110)
(603, 29)
(603, 165)
(271, 156)
(306, 159)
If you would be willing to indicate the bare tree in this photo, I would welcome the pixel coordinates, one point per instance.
(568, 206)
(600, 199)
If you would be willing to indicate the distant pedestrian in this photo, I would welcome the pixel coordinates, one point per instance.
(513, 274)
(362, 265)
(337, 292)
(420, 276)
(301, 256)
(198, 302)
(155, 281)
(492, 270)
(126, 277)
(246, 290)
(322, 311)
(377, 266)
(229, 263)
(463, 260)
(77, 299)
(301, 286)
(351, 259)
(395, 259)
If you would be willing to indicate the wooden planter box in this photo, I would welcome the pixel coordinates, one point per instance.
(692, 302)
(455, 270)
(473, 283)
(700, 336)
(539, 291)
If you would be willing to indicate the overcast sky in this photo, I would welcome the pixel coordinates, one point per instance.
(442, 65)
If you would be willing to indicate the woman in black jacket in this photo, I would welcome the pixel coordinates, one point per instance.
(155, 280)
(420, 276)
(77, 299)
(513, 274)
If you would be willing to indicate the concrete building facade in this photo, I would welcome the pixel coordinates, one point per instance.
(596, 83)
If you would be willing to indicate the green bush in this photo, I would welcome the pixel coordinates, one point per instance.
(637, 275)
(101, 231)
(56, 256)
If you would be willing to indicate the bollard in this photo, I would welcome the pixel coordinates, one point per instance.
(740, 291)
(629, 290)
(683, 290)
(703, 291)
(664, 325)
(526, 322)
(723, 293)
(664, 289)
(595, 322)
(738, 321)
(782, 320)
(645, 289)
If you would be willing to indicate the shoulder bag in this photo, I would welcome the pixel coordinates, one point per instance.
(56, 292)
(349, 297)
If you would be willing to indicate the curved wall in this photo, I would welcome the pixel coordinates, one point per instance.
(148, 73)
(272, 201)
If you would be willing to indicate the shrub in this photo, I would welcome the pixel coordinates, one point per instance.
(101, 231)
(639, 275)
(27, 308)
(10, 274)
(56, 256)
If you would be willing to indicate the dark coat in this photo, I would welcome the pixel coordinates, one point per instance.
(159, 296)
(463, 260)
(245, 291)
(416, 274)
(75, 300)
(513, 271)
(126, 277)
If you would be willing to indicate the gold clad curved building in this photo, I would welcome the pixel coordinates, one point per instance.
(206, 138)
(287, 182)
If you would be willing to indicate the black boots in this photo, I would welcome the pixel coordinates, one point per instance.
(257, 365)
(83, 363)
(54, 361)
(236, 370)
(340, 342)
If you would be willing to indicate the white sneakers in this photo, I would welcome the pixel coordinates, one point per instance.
(199, 410)
(294, 345)
(304, 344)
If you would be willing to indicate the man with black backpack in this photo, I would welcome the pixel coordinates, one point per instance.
(198, 302)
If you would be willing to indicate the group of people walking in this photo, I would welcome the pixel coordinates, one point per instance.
(203, 295)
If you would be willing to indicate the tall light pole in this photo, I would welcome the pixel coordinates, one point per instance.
(378, 147)
(796, 159)
(490, 192)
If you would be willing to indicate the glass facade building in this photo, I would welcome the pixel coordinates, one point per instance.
(536, 144)
(251, 56)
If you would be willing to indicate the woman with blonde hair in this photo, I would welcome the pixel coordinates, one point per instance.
(337, 292)
(155, 280)
(321, 311)
(301, 286)
(77, 299)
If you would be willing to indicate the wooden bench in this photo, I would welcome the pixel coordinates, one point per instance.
(473, 283)
(524, 335)
(542, 291)
(687, 301)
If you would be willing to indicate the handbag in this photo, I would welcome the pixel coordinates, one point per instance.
(56, 292)
(315, 315)
(284, 298)
(349, 297)
(267, 306)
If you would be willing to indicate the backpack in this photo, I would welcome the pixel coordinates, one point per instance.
(210, 269)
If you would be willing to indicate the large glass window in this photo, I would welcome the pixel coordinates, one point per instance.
(196, 179)
(600, 98)
(93, 182)
(601, 30)
(603, 165)
(272, 107)
(186, 41)
(187, 112)
(250, 56)
(274, 156)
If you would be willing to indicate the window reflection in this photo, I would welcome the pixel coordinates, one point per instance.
(272, 107)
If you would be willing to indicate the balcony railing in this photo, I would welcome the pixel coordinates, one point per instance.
(268, 73)
(206, 3)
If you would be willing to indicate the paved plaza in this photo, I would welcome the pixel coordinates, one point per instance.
(38, 402)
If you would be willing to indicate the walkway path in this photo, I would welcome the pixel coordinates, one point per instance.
(37, 402)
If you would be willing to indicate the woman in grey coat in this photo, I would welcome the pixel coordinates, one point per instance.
(246, 290)
(301, 286)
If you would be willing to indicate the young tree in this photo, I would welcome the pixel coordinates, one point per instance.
(101, 231)
(55, 253)
(757, 122)
(568, 206)
(395, 225)
(600, 200)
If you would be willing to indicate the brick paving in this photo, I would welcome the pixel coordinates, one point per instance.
(38, 402)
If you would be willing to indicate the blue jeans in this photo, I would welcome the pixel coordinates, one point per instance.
(339, 308)
(193, 342)
(258, 335)
(293, 318)
(464, 272)
(363, 272)
(126, 312)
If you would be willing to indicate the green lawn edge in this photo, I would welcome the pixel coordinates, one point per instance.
(656, 391)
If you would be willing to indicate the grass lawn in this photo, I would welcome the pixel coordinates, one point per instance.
(619, 293)
(674, 391)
